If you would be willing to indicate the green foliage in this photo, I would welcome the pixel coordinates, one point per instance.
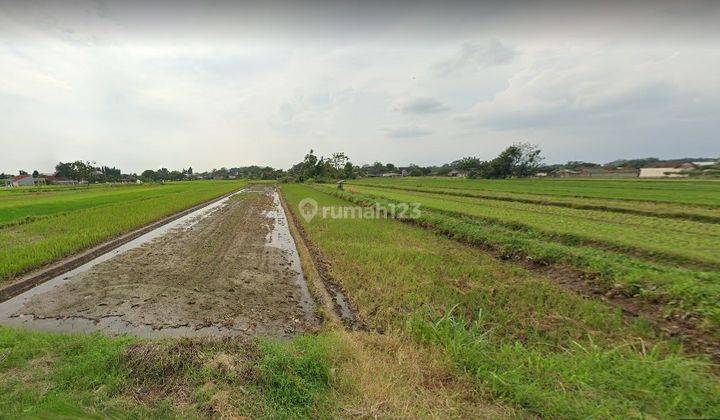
(520, 337)
(578, 381)
(39, 228)
(684, 291)
(55, 375)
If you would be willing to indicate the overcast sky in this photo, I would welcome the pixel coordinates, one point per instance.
(145, 84)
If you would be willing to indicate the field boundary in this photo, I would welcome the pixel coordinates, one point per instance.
(64, 265)
(585, 285)
(322, 283)
(571, 239)
(578, 206)
(705, 205)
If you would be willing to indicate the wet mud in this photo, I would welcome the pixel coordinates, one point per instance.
(232, 269)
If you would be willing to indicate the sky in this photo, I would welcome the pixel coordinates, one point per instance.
(153, 84)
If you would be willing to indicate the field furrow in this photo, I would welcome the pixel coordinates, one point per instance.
(639, 207)
(683, 241)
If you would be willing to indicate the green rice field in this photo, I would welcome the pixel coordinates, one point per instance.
(502, 299)
(40, 225)
(522, 339)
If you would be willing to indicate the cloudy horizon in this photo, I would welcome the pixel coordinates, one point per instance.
(141, 85)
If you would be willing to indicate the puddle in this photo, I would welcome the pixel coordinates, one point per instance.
(280, 237)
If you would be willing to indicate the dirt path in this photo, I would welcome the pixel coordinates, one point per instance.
(235, 271)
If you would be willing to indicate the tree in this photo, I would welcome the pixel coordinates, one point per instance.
(467, 164)
(310, 165)
(518, 160)
(65, 170)
(148, 175)
(36, 174)
(349, 170)
(22, 172)
(339, 160)
(415, 170)
(377, 168)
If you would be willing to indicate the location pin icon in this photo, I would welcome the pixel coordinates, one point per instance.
(308, 208)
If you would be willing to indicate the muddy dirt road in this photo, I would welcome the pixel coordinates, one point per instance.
(230, 270)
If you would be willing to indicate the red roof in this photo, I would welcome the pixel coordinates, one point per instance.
(19, 177)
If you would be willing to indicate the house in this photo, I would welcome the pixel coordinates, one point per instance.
(458, 174)
(391, 175)
(26, 181)
(608, 172)
(565, 173)
(57, 180)
(667, 171)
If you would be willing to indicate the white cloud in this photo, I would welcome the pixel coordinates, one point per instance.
(423, 106)
(473, 57)
(407, 132)
(109, 86)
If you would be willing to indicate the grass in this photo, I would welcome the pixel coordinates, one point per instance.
(693, 192)
(684, 292)
(647, 208)
(42, 227)
(681, 241)
(465, 334)
(537, 346)
(51, 375)
(579, 381)
(327, 375)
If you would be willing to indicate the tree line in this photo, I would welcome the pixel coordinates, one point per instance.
(518, 160)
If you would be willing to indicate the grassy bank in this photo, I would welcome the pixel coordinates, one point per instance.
(51, 375)
(521, 339)
(40, 227)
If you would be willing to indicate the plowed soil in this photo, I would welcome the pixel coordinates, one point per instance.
(226, 271)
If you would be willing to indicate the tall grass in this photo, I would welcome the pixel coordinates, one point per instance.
(684, 292)
(522, 339)
(684, 241)
(581, 380)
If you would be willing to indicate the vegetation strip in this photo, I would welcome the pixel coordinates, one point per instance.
(698, 332)
(640, 236)
(32, 245)
(519, 337)
(697, 193)
(546, 201)
(28, 282)
(334, 299)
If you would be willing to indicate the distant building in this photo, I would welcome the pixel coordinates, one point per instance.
(457, 174)
(667, 171)
(565, 173)
(391, 175)
(57, 180)
(605, 172)
(26, 181)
